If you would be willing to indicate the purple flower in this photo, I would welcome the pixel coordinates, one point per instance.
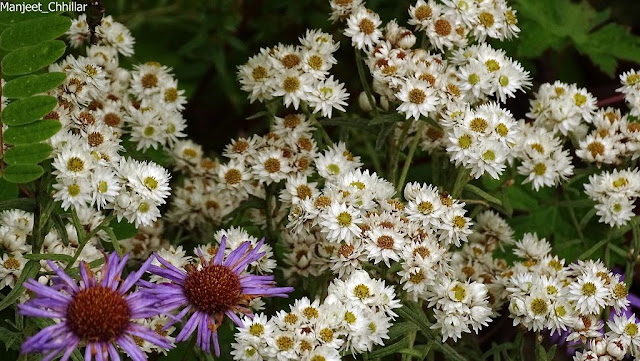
(98, 313)
(218, 288)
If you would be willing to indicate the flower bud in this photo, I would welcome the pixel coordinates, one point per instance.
(364, 103)
(616, 348)
(598, 346)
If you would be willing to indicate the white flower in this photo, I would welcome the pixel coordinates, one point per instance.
(11, 268)
(589, 293)
(418, 98)
(363, 28)
(105, 187)
(293, 87)
(326, 95)
(340, 222)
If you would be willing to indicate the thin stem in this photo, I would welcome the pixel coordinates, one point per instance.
(397, 149)
(407, 162)
(365, 84)
(628, 274)
(374, 155)
(462, 178)
(572, 215)
(83, 237)
(611, 100)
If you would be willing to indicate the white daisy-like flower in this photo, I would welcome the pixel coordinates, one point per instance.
(340, 222)
(326, 95)
(589, 293)
(418, 99)
(293, 86)
(363, 28)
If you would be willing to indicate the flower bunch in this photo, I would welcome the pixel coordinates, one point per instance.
(355, 315)
(296, 73)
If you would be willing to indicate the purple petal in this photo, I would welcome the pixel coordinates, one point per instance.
(220, 254)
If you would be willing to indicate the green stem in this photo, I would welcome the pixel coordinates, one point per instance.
(628, 274)
(462, 178)
(83, 237)
(365, 84)
(374, 155)
(407, 162)
(572, 215)
(397, 149)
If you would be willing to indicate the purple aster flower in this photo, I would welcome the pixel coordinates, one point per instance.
(220, 287)
(97, 313)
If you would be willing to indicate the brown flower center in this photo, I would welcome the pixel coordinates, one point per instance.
(212, 289)
(98, 314)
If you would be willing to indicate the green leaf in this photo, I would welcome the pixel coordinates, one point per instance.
(387, 118)
(123, 229)
(608, 44)
(401, 329)
(31, 58)
(33, 132)
(10, 338)
(34, 31)
(30, 270)
(8, 190)
(26, 204)
(29, 85)
(16, 16)
(22, 173)
(389, 350)
(28, 110)
(28, 154)
(520, 199)
(53, 257)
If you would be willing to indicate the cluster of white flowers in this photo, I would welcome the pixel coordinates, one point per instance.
(213, 190)
(561, 107)
(422, 83)
(99, 105)
(631, 90)
(614, 139)
(544, 293)
(297, 74)
(476, 262)
(481, 140)
(356, 315)
(544, 162)
(16, 225)
(108, 33)
(615, 193)
(485, 71)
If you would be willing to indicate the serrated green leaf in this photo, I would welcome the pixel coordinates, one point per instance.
(8, 190)
(33, 132)
(609, 43)
(22, 173)
(28, 110)
(34, 31)
(31, 58)
(28, 154)
(10, 339)
(123, 229)
(29, 85)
